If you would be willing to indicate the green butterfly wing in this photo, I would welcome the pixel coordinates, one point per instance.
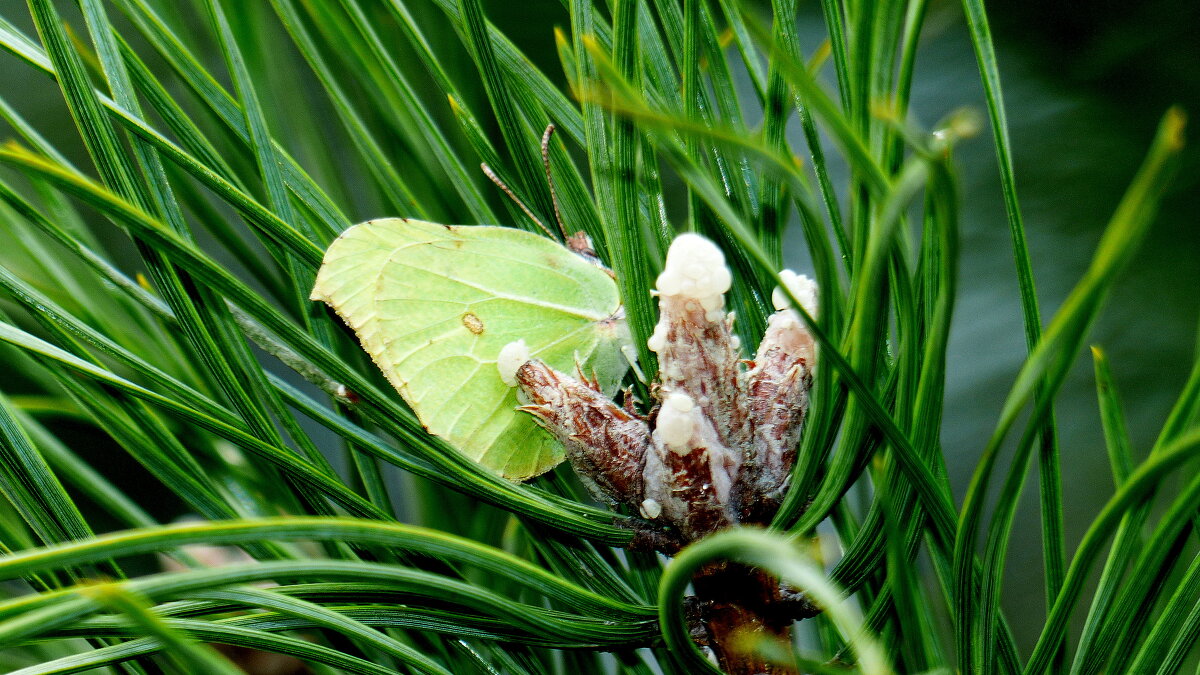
(433, 305)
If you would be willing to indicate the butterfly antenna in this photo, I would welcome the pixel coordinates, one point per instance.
(550, 178)
(487, 171)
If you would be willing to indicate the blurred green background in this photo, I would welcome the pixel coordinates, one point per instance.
(1085, 86)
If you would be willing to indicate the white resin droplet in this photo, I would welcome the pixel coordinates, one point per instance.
(668, 284)
(784, 321)
(511, 358)
(675, 426)
(659, 339)
(722, 277)
(803, 288)
(696, 271)
(650, 509)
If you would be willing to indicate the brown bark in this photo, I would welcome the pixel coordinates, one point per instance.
(733, 600)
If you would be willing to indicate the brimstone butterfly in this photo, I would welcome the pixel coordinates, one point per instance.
(434, 305)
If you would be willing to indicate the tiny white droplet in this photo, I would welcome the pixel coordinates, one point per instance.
(674, 425)
(803, 288)
(659, 339)
(680, 402)
(511, 358)
(695, 269)
(650, 509)
(722, 278)
(668, 284)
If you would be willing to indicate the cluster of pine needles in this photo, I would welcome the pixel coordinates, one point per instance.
(199, 465)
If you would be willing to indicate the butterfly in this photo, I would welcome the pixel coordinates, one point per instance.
(434, 305)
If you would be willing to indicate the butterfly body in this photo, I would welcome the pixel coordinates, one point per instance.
(434, 305)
